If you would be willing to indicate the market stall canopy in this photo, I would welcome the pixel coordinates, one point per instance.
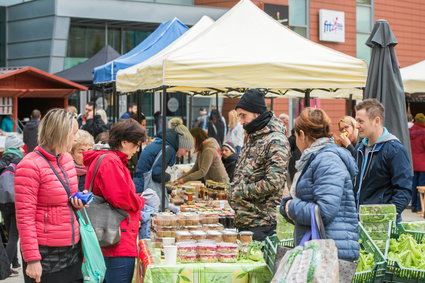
(246, 48)
(165, 34)
(32, 82)
(83, 73)
(413, 77)
(129, 80)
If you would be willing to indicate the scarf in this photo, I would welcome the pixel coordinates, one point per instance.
(258, 123)
(81, 170)
(305, 156)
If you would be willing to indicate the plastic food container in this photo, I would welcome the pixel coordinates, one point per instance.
(198, 235)
(209, 218)
(165, 231)
(207, 248)
(165, 219)
(217, 227)
(187, 258)
(208, 258)
(193, 228)
(230, 236)
(187, 248)
(182, 236)
(188, 219)
(214, 235)
(228, 258)
(245, 236)
(227, 248)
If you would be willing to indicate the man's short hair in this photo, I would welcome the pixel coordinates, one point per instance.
(35, 114)
(131, 105)
(373, 108)
(409, 117)
(90, 103)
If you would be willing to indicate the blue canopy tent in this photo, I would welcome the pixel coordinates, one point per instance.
(164, 35)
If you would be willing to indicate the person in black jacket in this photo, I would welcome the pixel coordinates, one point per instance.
(216, 126)
(91, 123)
(31, 130)
(229, 158)
(13, 154)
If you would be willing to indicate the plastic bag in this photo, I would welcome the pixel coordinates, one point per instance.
(93, 267)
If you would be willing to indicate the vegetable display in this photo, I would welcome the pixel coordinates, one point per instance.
(366, 261)
(284, 229)
(414, 226)
(407, 252)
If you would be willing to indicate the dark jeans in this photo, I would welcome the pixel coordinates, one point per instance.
(418, 180)
(261, 232)
(119, 269)
(9, 216)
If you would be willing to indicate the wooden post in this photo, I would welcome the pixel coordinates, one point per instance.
(15, 113)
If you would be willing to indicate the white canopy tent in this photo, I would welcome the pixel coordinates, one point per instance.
(413, 77)
(246, 48)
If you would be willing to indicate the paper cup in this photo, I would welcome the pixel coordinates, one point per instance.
(170, 253)
(168, 241)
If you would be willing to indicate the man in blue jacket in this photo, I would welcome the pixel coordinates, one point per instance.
(385, 172)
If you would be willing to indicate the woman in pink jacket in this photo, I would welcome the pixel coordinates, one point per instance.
(44, 181)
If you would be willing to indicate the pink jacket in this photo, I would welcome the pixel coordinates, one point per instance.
(44, 215)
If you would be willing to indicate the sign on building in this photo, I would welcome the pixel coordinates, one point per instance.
(331, 26)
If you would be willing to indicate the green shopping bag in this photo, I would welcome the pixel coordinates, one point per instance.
(93, 267)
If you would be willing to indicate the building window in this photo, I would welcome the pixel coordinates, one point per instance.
(299, 17)
(85, 41)
(364, 24)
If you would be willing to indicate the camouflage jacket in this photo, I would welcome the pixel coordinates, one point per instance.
(260, 176)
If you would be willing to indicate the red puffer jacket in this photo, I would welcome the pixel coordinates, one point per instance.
(417, 141)
(113, 182)
(44, 215)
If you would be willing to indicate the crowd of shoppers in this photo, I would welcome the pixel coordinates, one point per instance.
(363, 164)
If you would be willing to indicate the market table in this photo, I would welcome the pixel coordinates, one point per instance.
(251, 272)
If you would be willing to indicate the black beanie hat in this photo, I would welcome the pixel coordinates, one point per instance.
(252, 101)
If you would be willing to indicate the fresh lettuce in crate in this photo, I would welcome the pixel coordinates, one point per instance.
(376, 213)
(414, 226)
(284, 229)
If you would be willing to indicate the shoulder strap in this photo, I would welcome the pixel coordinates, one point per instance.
(95, 172)
(159, 155)
(66, 184)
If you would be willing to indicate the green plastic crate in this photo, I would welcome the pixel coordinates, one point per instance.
(419, 236)
(395, 273)
(270, 250)
(378, 272)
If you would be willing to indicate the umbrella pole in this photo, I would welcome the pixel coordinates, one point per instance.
(216, 101)
(307, 97)
(350, 105)
(272, 104)
(138, 105)
(164, 161)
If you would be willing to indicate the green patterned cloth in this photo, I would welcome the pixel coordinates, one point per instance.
(209, 273)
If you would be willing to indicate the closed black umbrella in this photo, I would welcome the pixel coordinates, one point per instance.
(384, 81)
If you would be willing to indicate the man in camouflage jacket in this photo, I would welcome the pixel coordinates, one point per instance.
(261, 171)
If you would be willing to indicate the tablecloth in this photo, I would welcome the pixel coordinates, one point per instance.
(208, 273)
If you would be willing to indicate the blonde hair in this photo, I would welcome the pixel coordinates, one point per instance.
(102, 114)
(348, 120)
(55, 128)
(233, 118)
(72, 109)
(82, 138)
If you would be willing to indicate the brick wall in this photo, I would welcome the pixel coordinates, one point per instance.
(407, 19)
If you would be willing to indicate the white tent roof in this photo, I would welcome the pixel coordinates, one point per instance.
(414, 77)
(246, 48)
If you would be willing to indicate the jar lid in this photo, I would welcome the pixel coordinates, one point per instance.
(246, 233)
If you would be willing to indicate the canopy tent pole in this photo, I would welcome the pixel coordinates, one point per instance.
(189, 157)
(350, 105)
(216, 101)
(164, 161)
(118, 103)
(139, 108)
(272, 104)
(307, 97)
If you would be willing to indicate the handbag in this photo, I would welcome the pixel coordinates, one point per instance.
(93, 267)
(149, 183)
(105, 218)
(312, 260)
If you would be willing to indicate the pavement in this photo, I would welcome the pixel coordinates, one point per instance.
(407, 215)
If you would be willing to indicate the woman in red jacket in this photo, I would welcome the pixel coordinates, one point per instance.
(113, 182)
(44, 181)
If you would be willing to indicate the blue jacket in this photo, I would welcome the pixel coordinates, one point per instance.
(148, 156)
(385, 173)
(327, 182)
